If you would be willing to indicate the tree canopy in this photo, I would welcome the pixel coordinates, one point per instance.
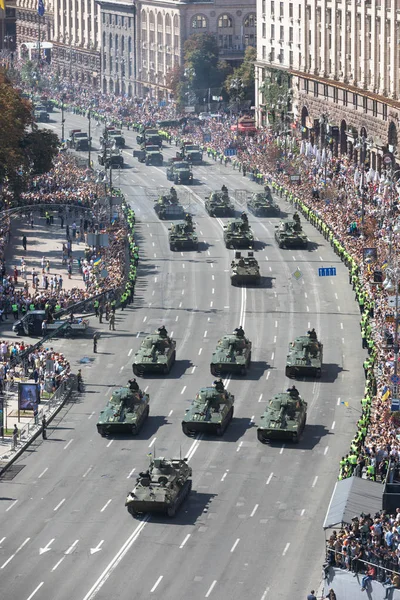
(245, 75)
(23, 153)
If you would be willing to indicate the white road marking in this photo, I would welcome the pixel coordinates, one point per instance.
(183, 292)
(156, 584)
(208, 252)
(224, 475)
(194, 446)
(16, 552)
(35, 590)
(341, 325)
(213, 291)
(268, 374)
(155, 279)
(266, 257)
(333, 425)
(315, 481)
(155, 255)
(211, 304)
(338, 402)
(13, 504)
(91, 415)
(305, 295)
(46, 547)
(265, 594)
(96, 587)
(146, 388)
(282, 449)
(326, 450)
(302, 512)
(87, 472)
(72, 546)
(308, 308)
(338, 308)
(43, 472)
(144, 319)
(193, 369)
(320, 258)
(235, 544)
(205, 333)
(153, 441)
(109, 443)
(58, 564)
(184, 541)
(274, 339)
(210, 589)
(213, 277)
(286, 549)
(269, 479)
(170, 412)
(180, 305)
(251, 420)
(121, 368)
(2, 539)
(70, 442)
(106, 504)
(253, 512)
(97, 548)
(276, 323)
(240, 445)
(59, 505)
(183, 265)
(130, 352)
(211, 265)
(260, 398)
(183, 389)
(131, 473)
(177, 317)
(273, 356)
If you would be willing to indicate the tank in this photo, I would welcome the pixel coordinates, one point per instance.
(289, 234)
(210, 412)
(182, 236)
(232, 355)
(162, 488)
(168, 207)
(156, 353)
(245, 270)
(125, 412)
(283, 419)
(218, 204)
(238, 234)
(304, 357)
(262, 204)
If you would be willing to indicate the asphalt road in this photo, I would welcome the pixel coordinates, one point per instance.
(252, 527)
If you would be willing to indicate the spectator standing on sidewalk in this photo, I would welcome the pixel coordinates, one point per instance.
(112, 321)
(80, 380)
(44, 427)
(24, 243)
(15, 437)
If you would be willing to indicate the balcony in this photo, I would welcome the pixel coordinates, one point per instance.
(234, 53)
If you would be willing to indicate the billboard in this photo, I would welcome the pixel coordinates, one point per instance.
(28, 396)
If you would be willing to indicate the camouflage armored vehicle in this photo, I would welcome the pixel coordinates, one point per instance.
(157, 353)
(180, 171)
(149, 136)
(304, 357)
(289, 234)
(168, 207)
(126, 411)
(232, 355)
(111, 158)
(283, 419)
(210, 412)
(115, 137)
(245, 270)
(182, 235)
(218, 204)
(150, 155)
(261, 204)
(191, 153)
(238, 234)
(162, 488)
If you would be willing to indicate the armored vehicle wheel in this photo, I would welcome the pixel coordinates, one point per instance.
(68, 331)
(318, 373)
(176, 180)
(101, 431)
(219, 431)
(185, 429)
(134, 429)
(295, 438)
(289, 372)
(243, 370)
(249, 360)
(281, 245)
(172, 247)
(260, 437)
(173, 358)
(171, 511)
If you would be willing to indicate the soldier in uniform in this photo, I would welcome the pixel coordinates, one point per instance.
(173, 194)
(312, 334)
(224, 189)
(244, 217)
(239, 331)
(293, 391)
(133, 385)
(219, 385)
(162, 332)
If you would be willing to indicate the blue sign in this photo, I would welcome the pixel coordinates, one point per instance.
(230, 151)
(327, 272)
(395, 379)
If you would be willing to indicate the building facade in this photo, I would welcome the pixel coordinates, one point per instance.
(76, 40)
(343, 58)
(34, 32)
(8, 32)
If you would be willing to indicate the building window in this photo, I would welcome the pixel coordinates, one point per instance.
(355, 100)
(290, 34)
(374, 108)
(110, 40)
(199, 22)
(225, 21)
(272, 7)
(264, 7)
(291, 10)
(272, 55)
(122, 21)
(291, 58)
(272, 31)
(281, 9)
(316, 89)
(104, 17)
(225, 41)
(345, 98)
(325, 91)
(281, 33)
(264, 52)
(384, 112)
(250, 21)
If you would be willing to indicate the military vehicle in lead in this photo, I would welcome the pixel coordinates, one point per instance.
(180, 171)
(168, 207)
(182, 235)
(218, 204)
(245, 270)
(289, 233)
(162, 488)
(125, 412)
(210, 412)
(261, 204)
(305, 356)
(284, 418)
(232, 354)
(238, 233)
(157, 353)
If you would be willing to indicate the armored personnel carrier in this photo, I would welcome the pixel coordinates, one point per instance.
(182, 235)
(283, 419)
(218, 204)
(162, 488)
(289, 234)
(245, 270)
(238, 234)
(126, 411)
(210, 412)
(304, 357)
(232, 354)
(168, 207)
(157, 353)
(262, 204)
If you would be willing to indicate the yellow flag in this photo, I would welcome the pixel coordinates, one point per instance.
(3, 4)
(346, 404)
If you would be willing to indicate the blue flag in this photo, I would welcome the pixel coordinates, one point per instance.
(40, 8)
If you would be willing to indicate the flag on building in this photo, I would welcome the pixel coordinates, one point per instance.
(3, 4)
(40, 8)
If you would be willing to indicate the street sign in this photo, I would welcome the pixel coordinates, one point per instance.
(395, 379)
(395, 406)
(297, 274)
(230, 151)
(387, 159)
(327, 272)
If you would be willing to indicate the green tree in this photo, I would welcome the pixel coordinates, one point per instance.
(40, 148)
(276, 95)
(202, 69)
(245, 75)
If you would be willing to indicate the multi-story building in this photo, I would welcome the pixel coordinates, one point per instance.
(34, 32)
(142, 42)
(76, 40)
(8, 30)
(343, 58)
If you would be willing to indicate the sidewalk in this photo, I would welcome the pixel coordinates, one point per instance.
(42, 240)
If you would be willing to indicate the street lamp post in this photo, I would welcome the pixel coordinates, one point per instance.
(362, 145)
(323, 121)
(62, 117)
(392, 282)
(237, 87)
(90, 137)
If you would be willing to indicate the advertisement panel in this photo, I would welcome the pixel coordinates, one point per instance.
(28, 396)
